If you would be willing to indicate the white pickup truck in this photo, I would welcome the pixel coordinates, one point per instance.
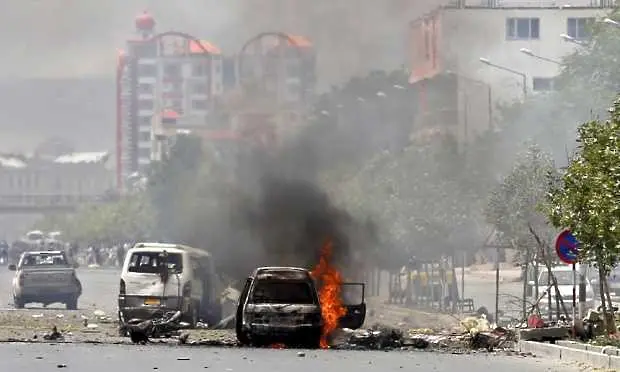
(45, 277)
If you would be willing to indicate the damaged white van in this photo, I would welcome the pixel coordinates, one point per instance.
(158, 278)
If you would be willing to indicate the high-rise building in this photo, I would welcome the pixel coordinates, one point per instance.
(168, 72)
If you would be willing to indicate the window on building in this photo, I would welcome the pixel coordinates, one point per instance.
(144, 153)
(172, 70)
(145, 104)
(145, 136)
(177, 106)
(543, 84)
(293, 68)
(199, 104)
(147, 70)
(522, 28)
(578, 28)
(145, 88)
(293, 91)
(144, 121)
(145, 49)
(200, 88)
(199, 69)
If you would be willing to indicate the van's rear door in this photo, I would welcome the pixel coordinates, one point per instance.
(353, 298)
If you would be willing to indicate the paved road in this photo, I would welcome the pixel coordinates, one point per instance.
(100, 288)
(105, 358)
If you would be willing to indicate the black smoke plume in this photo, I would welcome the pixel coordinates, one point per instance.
(282, 217)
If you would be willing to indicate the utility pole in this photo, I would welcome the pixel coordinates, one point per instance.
(492, 242)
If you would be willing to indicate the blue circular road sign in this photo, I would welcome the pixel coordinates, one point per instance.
(567, 247)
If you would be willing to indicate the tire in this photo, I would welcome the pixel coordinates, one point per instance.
(311, 340)
(18, 303)
(214, 315)
(242, 336)
(192, 315)
(72, 303)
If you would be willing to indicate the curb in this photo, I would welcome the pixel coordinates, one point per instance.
(595, 356)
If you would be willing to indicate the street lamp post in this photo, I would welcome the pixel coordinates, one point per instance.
(570, 39)
(532, 54)
(611, 22)
(523, 76)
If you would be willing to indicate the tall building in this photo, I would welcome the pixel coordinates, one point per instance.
(277, 80)
(168, 72)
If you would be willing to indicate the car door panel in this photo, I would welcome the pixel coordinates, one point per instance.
(354, 302)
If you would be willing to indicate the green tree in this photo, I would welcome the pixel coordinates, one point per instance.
(172, 181)
(127, 219)
(514, 204)
(587, 200)
(513, 208)
(425, 197)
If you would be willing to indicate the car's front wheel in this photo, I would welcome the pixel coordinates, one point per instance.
(18, 303)
(72, 303)
(192, 315)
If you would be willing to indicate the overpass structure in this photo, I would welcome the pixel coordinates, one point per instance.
(46, 203)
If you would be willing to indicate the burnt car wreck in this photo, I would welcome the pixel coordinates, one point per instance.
(282, 305)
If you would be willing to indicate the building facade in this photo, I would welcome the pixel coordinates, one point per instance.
(495, 52)
(68, 179)
(456, 38)
(170, 71)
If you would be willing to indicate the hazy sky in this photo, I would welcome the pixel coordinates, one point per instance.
(77, 37)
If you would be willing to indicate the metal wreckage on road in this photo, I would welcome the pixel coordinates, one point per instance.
(282, 305)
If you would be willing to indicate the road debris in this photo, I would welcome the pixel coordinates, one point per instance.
(54, 335)
(475, 334)
(167, 325)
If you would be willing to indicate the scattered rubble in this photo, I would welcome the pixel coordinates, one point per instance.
(475, 334)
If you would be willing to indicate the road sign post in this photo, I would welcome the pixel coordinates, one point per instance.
(567, 249)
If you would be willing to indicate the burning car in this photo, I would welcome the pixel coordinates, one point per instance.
(282, 305)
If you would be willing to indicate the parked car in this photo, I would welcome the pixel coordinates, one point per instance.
(45, 277)
(158, 278)
(281, 304)
(564, 276)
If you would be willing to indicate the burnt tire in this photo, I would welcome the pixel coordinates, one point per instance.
(192, 315)
(18, 303)
(244, 339)
(72, 303)
(310, 340)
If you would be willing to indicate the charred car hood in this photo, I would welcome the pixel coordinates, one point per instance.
(282, 309)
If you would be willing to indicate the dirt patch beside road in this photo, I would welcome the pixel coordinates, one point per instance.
(401, 317)
(36, 325)
(92, 325)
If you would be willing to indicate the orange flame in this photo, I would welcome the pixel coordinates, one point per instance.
(330, 283)
(277, 346)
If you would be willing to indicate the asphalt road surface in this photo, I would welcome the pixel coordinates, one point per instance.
(99, 289)
(105, 358)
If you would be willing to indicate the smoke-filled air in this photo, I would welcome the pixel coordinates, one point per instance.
(409, 145)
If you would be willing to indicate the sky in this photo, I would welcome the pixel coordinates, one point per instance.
(77, 40)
